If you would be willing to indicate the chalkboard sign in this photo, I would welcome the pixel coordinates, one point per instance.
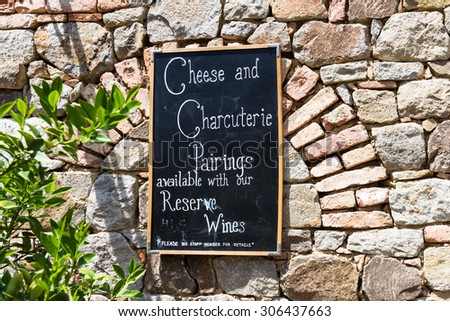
(215, 176)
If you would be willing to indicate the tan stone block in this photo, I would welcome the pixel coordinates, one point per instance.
(357, 220)
(373, 196)
(357, 177)
(358, 156)
(337, 142)
(18, 21)
(326, 167)
(295, 10)
(307, 135)
(324, 99)
(301, 83)
(338, 201)
(437, 234)
(337, 117)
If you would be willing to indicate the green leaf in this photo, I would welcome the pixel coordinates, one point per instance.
(100, 98)
(117, 96)
(22, 107)
(86, 259)
(88, 109)
(18, 118)
(34, 130)
(118, 288)
(14, 285)
(87, 272)
(131, 294)
(57, 85)
(45, 118)
(54, 201)
(132, 93)
(61, 190)
(35, 292)
(75, 117)
(5, 108)
(53, 99)
(7, 205)
(100, 138)
(119, 271)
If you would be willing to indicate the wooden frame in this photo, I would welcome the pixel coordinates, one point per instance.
(278, 249)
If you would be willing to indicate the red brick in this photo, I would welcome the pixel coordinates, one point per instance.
(307, 135)
(110, 5)
(437, 234)
(69, 6)
(337, 142)
(326, 167)
(338, 201)
(372, 84)
(7, 6)
(31, 6)
(301, 83)
(357, 177)
(324, 99)
(358, 156)
(46, 18)
(373, 196)
(85, 17)
(336, 12)
(287, 105)
(357, 220)
(338, 116)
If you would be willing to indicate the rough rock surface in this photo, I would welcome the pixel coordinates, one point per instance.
(319, 277)
(362, 10)
(112, 202)
(400, 146)
(129, 40)
(436, 263)
(422, 99)
(375, 106)
(421, 202)
(439, 148)
(348, 72)
(390, 242)
(301, 206)
(243, 9)
(398, 71)
(167, 274)
(295, 10)
(172, 20)
(413, 36)
(387, 279)
(257, 276)
(124, 17)
(317, 43)
(329, 240)
(110, 248)
(272, 32)
(128, 155)
(82, 50)
(295, 169)
(14, 76)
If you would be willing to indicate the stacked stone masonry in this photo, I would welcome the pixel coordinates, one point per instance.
(366, 105)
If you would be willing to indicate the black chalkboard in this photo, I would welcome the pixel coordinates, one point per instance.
(215, 176)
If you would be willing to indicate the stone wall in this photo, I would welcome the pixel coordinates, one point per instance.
(366, 105)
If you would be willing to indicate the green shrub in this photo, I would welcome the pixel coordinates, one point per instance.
(38, 264)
